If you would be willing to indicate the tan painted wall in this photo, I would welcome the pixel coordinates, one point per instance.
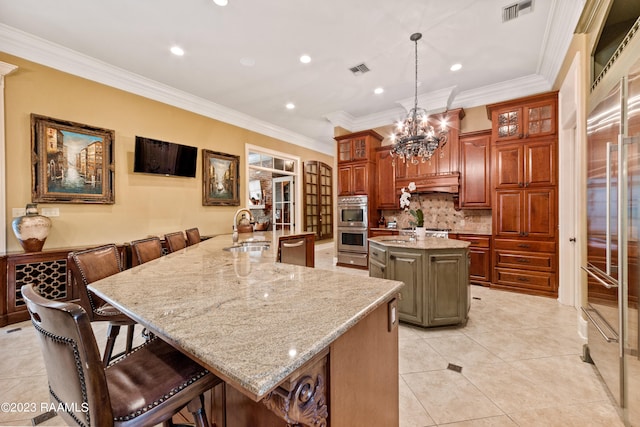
(145, 204)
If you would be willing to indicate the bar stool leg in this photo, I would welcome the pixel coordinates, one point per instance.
(112, 333)
(199, 416)
(130, 332)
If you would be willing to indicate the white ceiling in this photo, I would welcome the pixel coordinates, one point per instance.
(126, 44)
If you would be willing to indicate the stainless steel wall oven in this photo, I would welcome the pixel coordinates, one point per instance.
(353, 247)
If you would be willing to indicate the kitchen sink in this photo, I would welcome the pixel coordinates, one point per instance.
(247, 248)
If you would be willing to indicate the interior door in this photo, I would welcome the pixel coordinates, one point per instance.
(283, 203)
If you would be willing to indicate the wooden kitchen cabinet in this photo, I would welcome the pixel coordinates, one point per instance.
(529, 213)
(479, 258)
(408, 267)
(358, 146)
(523, 165)
(475, 170)
(376, 232)
(525, 176)
(355, 179)
(448, 293)
(523, 118)
(387, 196)
(47, 270)
(356, 163)
(528, 266)
(436, 290)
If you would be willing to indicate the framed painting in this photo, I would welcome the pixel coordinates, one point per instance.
(220, 179)
(71, 162)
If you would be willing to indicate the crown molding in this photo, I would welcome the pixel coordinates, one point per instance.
(556, 42)
(6, 68)
(516, 88)
(434, 102)
(510, 89)
(41, 51)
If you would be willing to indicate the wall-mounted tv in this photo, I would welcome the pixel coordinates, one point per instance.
(165, 158)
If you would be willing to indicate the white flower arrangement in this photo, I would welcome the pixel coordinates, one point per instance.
(405, 202)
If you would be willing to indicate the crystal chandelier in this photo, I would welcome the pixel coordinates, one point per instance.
(415, 139)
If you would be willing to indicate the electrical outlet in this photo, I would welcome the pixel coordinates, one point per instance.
(16, 212)
(50, 212)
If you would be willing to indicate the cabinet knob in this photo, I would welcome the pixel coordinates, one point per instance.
(520, 135)
(520, 185)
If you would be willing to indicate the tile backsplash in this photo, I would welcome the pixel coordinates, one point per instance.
(439, 213)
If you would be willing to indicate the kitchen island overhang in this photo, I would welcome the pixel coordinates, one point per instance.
(252, 321)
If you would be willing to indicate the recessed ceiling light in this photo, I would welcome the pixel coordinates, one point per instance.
(177, 50)
(378, 90)
(290, 106)
(455, 67)
(221, 2)
(305, 59)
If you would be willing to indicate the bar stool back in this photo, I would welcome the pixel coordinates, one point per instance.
(88, 266)
(175, 241)
(193, 236)
(145, 387)
(145, 250)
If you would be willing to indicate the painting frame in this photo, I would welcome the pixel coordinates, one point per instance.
(71, 162)
(220, 187)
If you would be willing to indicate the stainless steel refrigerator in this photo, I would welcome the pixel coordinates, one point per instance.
(613, 220)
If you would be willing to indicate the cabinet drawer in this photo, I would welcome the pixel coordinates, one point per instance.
(524, 245)
(378, 254)
(476, 241)
(350, 258)
(527, 261)
(525, 279)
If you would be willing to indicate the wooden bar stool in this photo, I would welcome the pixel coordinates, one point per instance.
(175, 241)
(193, 236)
(143, 388)
(88, 266)
(145, 250)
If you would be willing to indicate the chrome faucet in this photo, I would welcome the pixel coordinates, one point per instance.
(234, 235)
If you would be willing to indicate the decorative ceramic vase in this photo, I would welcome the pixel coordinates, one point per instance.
(32, 229)
(420, 233)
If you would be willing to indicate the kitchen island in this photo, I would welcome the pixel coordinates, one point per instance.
(294, 345)
(435, 272)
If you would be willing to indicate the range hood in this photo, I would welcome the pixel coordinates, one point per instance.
(436, 183)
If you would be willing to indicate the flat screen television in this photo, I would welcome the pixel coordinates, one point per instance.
(164, 158)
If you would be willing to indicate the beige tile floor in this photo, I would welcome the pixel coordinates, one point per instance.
(520, 359)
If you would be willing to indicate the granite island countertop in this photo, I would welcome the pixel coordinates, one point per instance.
(249, 319)
(425, 243)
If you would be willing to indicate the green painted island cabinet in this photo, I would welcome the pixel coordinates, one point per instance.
(435, 273)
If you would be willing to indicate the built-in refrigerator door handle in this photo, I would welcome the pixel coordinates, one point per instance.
(599, 275)
(591, 315)
(610, 148)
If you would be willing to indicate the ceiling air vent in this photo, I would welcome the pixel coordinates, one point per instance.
(513, 11)
(359, 69)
